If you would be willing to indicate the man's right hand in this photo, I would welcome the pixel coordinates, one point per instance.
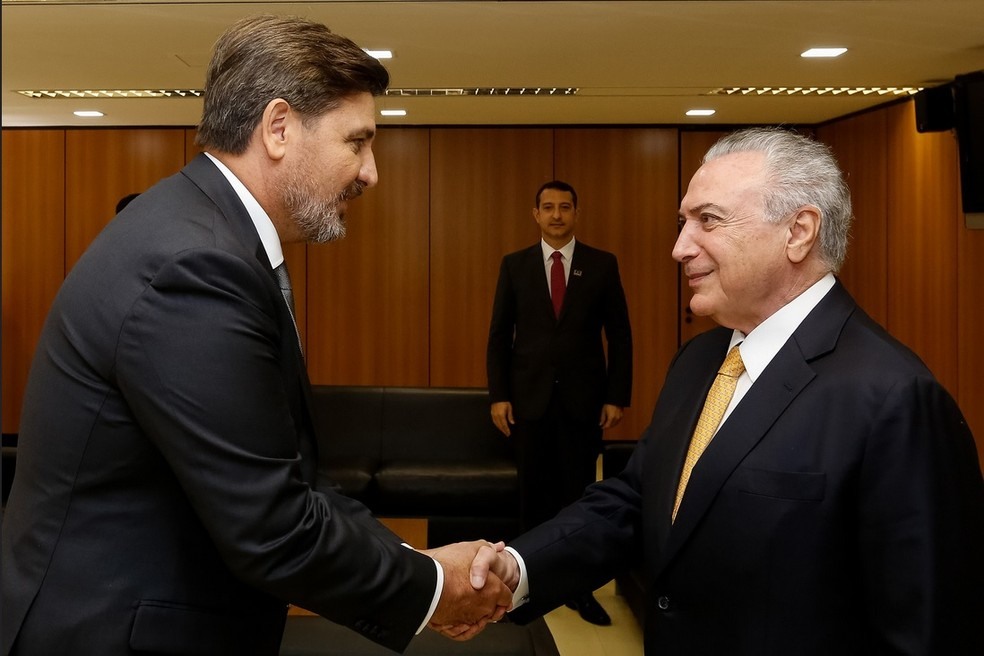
(469, 597)
(502, 416)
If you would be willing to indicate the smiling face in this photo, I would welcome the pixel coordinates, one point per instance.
(334, 164)
(735, 261)
(556, 216)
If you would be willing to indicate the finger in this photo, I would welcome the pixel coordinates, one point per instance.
(481, 565)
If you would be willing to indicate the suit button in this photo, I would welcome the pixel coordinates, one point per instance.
(663, 603)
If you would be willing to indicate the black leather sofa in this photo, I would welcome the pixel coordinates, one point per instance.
(424, 452)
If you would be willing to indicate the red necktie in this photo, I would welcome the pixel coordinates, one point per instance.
(558, 283)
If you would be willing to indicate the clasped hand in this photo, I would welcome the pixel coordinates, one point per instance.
(479, 579)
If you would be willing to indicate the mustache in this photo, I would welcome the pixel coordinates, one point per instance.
(354, 190)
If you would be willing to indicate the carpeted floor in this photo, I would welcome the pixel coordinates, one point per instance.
(315, 636)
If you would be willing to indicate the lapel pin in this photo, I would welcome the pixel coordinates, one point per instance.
(576, 272)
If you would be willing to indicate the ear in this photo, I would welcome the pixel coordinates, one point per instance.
(275, 128)
(804, 230)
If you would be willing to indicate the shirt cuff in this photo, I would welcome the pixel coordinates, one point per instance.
(437, 595)
(522, 593)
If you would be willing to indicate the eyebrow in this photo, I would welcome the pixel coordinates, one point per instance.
(365, 133)
(697, 209)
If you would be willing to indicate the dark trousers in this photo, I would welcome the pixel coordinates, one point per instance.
(557, 458)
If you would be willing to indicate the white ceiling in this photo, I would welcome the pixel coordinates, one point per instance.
(633, 62)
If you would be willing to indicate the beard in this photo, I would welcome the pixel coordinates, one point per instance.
(319, 219)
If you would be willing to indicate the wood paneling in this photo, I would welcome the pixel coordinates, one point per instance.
(923, 219)
(861, 147)
(102, 166)
(483, 183)
(626, 179)
(693, 145)
(192, 150)
(33, 251)
(367, 294)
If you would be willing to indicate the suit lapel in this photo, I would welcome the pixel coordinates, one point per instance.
(783, 380)
(535, 271)
(207, 177)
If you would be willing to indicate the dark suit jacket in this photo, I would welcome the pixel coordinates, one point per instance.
(529, 348)
(163, 497)
(839, 509)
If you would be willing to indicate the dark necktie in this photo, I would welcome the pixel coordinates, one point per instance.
(558, 283)
(718, 399)
(283, 280)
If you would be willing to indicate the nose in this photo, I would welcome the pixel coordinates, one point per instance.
(368, 174)
(685, 248)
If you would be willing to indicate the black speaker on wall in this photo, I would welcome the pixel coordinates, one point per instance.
(934, 109)
(968, 119)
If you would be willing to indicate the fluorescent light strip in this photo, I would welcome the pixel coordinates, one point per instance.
(88, 113)
(823, 52)
(379, 54)
(393, 112)
(486, 91)
(700, 112)
(112, 93)
(813, 91)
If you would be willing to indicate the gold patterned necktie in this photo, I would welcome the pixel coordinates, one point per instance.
(716, 403)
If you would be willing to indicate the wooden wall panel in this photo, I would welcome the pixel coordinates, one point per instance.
(483, 184)
(102, 166)
(693, 145)
(367, 295)
(33, 251)
(861, 147)
(626, 179)
(191, 149)
(923, 220)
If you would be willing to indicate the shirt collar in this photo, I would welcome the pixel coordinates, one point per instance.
(567, 250)
(264, 226)
(761, 345)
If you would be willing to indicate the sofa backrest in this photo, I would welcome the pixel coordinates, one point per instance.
(433, 424)
(441, 424)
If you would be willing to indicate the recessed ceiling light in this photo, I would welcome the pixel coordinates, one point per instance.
(86, 113)
(700, 112)
(380, 54)
(393, 112)
(823, 52)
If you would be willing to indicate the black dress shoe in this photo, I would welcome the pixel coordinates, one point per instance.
(590, 610)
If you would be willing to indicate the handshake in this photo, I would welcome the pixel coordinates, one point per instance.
(479, 581)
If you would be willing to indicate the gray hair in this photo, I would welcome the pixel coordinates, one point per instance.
(801, 171)
(261, 58)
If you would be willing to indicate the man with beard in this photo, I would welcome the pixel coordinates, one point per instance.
(165, 498)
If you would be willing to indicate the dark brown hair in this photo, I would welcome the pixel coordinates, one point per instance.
(261, 58)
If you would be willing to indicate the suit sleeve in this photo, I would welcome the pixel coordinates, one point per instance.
(198, 361)
(618, 334)
(501, 331)
(921, 525)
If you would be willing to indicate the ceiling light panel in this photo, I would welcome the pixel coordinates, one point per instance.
(813, 91)
(111, 93)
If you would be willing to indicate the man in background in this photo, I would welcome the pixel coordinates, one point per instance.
(549, 382)
(164, 499)
(806, 485)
